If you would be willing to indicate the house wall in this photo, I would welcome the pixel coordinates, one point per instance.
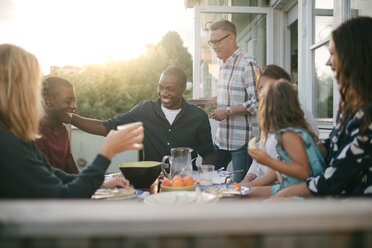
(86, 146)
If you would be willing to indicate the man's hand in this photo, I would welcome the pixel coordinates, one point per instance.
(219, 114)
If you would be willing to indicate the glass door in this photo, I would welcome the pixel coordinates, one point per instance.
(254, 26)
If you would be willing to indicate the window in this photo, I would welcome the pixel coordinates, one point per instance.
(322, 86)
(360, 8)
(318, 89)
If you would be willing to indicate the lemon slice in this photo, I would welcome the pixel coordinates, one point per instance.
(252, 143)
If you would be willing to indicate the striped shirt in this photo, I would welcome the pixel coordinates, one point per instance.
(237, 85)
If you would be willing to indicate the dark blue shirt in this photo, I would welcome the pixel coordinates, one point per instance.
(349, 159)
(191, 128)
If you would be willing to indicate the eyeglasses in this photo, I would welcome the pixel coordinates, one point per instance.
(217, 42)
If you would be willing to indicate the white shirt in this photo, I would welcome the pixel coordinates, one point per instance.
(269, 148)
(170, 114)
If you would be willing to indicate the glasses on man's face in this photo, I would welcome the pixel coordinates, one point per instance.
(217, 42)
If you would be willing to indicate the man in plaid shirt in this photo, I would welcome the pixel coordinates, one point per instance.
(236, 99)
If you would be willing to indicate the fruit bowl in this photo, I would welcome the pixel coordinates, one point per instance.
(172, 188)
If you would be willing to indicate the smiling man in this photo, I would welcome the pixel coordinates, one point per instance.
(236, 99)
(59, 104)
(168, 121)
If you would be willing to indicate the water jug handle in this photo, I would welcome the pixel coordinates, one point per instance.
(163, 165)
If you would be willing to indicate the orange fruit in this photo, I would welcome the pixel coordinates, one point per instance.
(177, 183)
(188, 181)
(166, 182)
(237, 187)
(177, 177)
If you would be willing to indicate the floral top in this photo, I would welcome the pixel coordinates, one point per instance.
(349, 161)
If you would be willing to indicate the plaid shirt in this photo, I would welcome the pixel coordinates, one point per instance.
(237, 85)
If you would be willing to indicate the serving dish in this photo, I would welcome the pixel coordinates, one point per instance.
(141, 174)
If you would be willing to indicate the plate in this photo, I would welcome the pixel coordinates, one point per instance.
(117, 193)
(221, 190)
(197, 101)
(179, 197)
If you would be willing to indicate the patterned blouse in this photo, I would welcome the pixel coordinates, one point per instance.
(349, 161)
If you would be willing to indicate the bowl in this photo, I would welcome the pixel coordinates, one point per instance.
(141, 174)
(184, 188)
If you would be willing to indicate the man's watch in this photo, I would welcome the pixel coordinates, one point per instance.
(228, 111)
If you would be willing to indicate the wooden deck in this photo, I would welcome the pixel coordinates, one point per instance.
(238, 223)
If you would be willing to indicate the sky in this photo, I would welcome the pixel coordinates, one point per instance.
(78, 32)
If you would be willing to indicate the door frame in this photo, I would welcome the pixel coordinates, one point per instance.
(198, 10)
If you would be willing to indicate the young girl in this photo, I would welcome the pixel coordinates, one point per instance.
(258, 174)
(299, 158)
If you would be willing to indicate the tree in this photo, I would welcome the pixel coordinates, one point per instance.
(107, 90)
(176, 52)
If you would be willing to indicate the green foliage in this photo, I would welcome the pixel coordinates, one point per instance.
(103, 91)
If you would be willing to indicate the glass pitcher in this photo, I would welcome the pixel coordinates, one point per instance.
(179, 162)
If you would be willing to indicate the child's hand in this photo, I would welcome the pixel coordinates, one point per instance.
(279, 177)
(259, 155)
(115, 183)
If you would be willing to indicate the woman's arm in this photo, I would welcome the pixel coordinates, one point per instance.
(294, 190)
(71, 166)
(294, 146)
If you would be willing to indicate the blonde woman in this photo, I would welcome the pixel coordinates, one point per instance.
(25, 173)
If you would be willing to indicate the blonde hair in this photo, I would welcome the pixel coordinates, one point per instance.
(20, 92)
(280, 108)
